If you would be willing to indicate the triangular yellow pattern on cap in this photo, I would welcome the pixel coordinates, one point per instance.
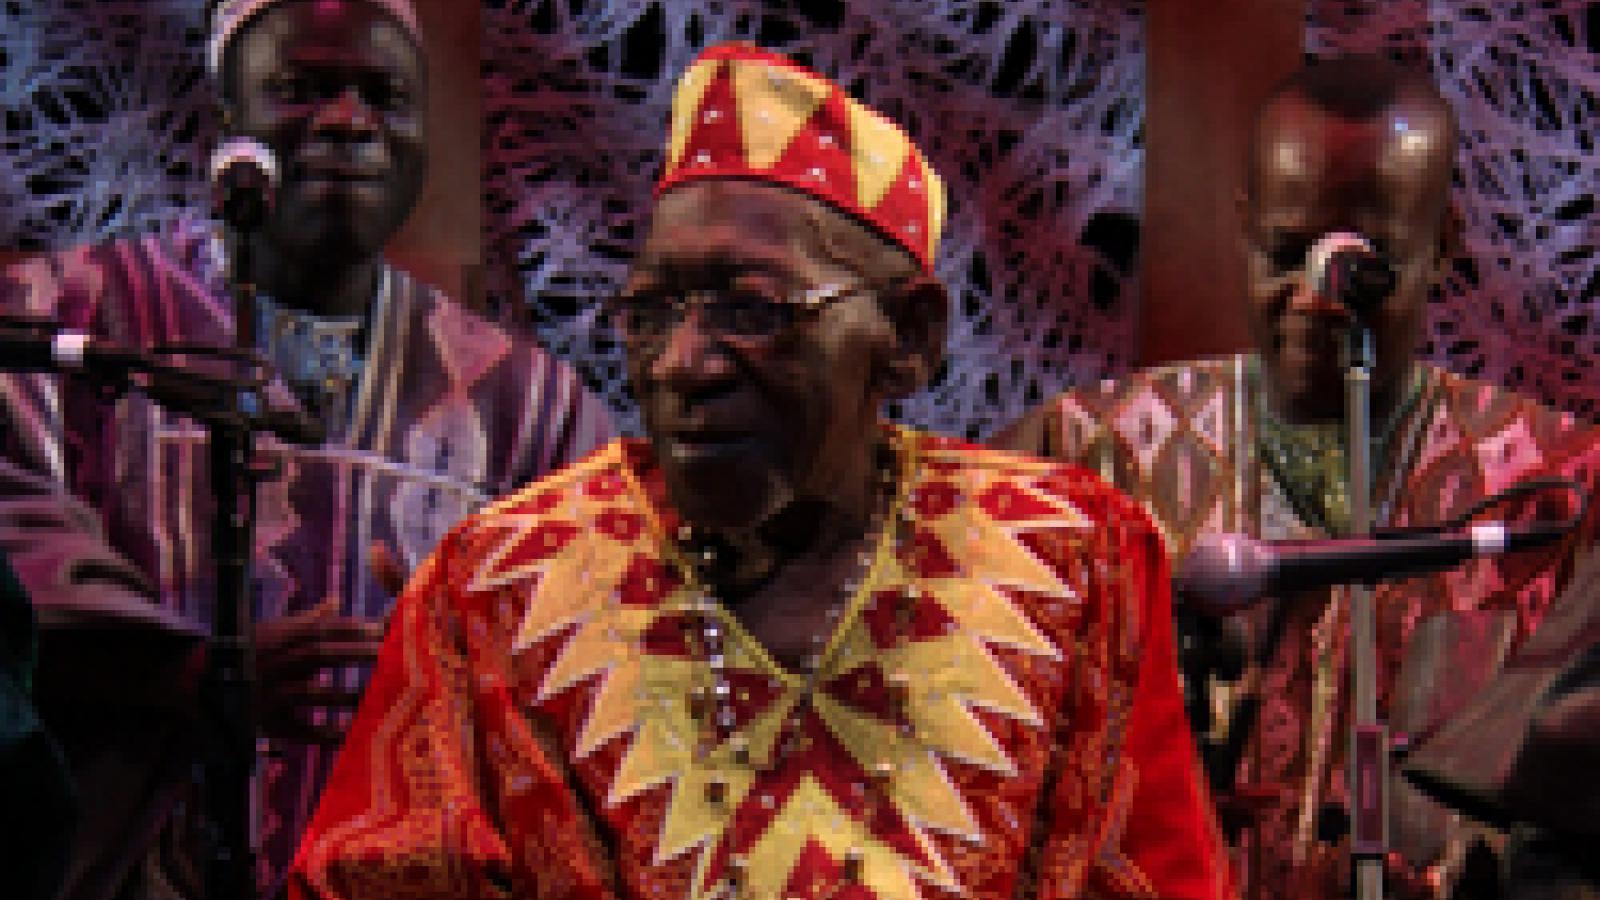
(774, 104)
(686, 106)
(878, 151)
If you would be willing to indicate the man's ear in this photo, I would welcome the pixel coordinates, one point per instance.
(1452, 236)
(1241, 209)
(918, 309)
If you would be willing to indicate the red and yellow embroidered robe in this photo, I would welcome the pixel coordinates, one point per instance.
(996, 715)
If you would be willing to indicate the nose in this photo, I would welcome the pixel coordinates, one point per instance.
(345, 112)
(688, 357)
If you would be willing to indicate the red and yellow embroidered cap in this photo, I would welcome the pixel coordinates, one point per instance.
(743, 112)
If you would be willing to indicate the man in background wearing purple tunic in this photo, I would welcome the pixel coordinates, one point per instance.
(429, 411)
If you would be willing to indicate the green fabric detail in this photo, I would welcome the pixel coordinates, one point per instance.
(1310, 463)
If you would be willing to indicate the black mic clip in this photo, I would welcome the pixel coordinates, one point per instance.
(1347, 269)
(244, 178)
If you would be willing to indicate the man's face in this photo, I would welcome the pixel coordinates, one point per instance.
(335, 88)
(742, 425)
(1385, 179)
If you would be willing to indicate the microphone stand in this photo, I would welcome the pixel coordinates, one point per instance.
(230, 689)
(233, 410)
(230, 677)
(1368, 753)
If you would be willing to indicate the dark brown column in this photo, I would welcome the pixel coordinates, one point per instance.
(1207, 64)
(442, 241)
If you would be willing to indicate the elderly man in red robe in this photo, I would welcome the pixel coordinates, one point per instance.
(779, 648)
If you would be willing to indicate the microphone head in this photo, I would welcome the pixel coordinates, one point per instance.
(244, 180)
(1343, 267)
(1223, 574)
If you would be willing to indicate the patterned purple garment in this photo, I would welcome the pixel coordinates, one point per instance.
(446, 411)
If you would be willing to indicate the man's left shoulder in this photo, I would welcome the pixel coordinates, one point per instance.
(1491, 411)
(451, 322)
(1023, 490)
(475, 347)
(1045, 537)
(604, 474)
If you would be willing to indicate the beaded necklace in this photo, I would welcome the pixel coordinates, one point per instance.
(697, 552)
(713, 699)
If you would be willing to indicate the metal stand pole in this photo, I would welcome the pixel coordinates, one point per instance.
(231, 786)
(233, 410)
(1368, 767)
(230, 766)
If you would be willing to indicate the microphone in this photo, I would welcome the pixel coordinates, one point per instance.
(244, 182)
(1345, 268)
(64, 352)
(1227, 573)
(67, 351)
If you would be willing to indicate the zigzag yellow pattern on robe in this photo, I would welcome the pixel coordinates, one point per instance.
(646, 696)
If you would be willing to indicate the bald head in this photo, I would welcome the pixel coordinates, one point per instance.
(1394, 102)
(1358, 87)
(1360, 145)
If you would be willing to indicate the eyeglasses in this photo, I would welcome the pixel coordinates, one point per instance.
(737, 314)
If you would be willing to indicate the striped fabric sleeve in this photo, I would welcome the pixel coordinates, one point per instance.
(562, 420)
(55, 540)
(589, 423)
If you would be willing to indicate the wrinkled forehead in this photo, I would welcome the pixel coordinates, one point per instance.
(1396, 161)
(329, 33)
(739, 224)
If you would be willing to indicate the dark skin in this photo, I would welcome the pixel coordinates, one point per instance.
(1313, 173)
(1310, 173)
(336, 90)
(293, 653)
(772, 443)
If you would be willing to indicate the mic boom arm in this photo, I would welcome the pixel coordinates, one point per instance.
(40, 345)
(1225, 573)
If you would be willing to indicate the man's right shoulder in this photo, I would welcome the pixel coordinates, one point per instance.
(603, 472)
(1065, 425)
(561, 547)
(50, 284)
(518, 534)
(1176, 378)
(71, 284)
